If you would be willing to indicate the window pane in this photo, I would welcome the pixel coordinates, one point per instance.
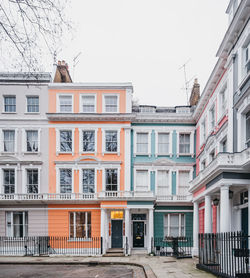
(33, 104)
(88, 104)
(88, 141)
(163, 143)
(248, 129)
(65, 103)
(32, 140)
(32, 181)
(111, 180)
(142, 180)
(65, 180)
(66, 141)
(162, 183)
(111, 104)
(9, 140)
(10, 104)
(88, 176)
(9, 181)
(111, 141)
(142, 143)
(184, 143)
(183, 182)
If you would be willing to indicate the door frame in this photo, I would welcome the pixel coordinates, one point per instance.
(111, 231)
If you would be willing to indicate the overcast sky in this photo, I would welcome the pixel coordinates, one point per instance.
(146, 42)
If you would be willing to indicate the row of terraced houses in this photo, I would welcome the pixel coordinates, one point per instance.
(80, 160)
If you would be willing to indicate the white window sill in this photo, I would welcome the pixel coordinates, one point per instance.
(164, 154)
(111, 153)
(94, 152)
(65, 153)
(31, 113)
(31, 153)
(9, 112)
(8, 153)
(147, 154)
(185, 154)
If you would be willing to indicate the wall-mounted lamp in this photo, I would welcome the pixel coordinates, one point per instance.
(216, 202)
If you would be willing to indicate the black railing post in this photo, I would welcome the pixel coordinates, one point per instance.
(101, 246)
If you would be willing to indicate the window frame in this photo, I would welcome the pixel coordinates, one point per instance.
(105, 147)
(148, 153)
(135, 178)
(157, 149)
(26, 179)
(59, 180)
(86, 223)
(32, 96)
(58, 140)
(25, 215)
(2, 179)
(169, 181)
(168, 225)
(203, 132)
(81, 130)
(179, 143)
(212, 122)
(4, 105)
(104, 102)
(58, 106)
(15, 141)
(118, 130)
(81, 102)
(87, 167)
(104, 179)
(178, 179)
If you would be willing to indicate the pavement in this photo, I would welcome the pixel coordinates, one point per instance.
(152, 266)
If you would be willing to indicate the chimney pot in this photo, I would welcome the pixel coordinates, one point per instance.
(59, 63)
(63, 62)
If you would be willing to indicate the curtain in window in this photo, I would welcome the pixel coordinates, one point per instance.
(9, 140)
(88, 104)
(184, 143)
(65, 103)
(142, 180)
(32, 140)
(163, 143)
(183, 182)
(142, 143)
(111, 104)
(32, 181)
(162, 183)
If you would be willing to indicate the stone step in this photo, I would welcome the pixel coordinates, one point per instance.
(114, 255)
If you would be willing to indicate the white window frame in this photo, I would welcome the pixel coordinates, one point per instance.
(3, 111)
(2, 140)
(58, 150)
(12, 223)
(118, 130)
(104, 102)
(170, 134)
(86, 223)
(27, 96)
(245, 46)
(212, 107)
(58, 102)
(169, 180)
(81, 102)
(118, 168)
(178, 179)
(203, 133)
(191, 143)
(167, 216)
(2, 176)
(24, 178)
(149, 142)
(58, 185)
(81, 130)
(24, 140)
(135, 177)
(86, 167)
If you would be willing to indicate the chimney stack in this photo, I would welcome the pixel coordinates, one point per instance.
(62, 73)
(195, 93)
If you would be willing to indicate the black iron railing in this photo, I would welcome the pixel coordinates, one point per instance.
(44, 245)
(179, 247)
(225, 254)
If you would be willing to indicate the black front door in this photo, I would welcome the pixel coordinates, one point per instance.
(138, 234)
(116, 234)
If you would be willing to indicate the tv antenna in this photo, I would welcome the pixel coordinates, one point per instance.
(186, 88)
(75, 62)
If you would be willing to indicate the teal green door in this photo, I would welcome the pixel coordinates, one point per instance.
(116, 234)
(244, 220)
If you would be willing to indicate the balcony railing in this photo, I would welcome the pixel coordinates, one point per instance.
(137, 195)
(223, 161)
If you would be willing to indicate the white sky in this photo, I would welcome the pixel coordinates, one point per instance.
(146, 42)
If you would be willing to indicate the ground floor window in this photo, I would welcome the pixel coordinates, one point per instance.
(16, 223)
(80, 224)
(174, 225)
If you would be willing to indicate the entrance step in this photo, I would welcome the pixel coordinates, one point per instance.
(141, 251)
(114, 252)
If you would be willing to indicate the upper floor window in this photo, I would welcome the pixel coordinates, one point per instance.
(223, 100)
(224, 146)
(111, 104)
(88, 137)
(183, 182)
(184, 143)
(16, 223)
(174, 225)
(203, 164)
(32, 180)
(203, 131)
(32, 140)
(65, 104)
(80, 224)
(246, 58)
(88, 180)
(248, 129)
(65, 180)
(9, 181)
(9, 140)
(10, 104)
(142, 182)
(163, 143)
(32, 104)
(212, 155)
(162, 183)
(142, 143)
(88, 104)
(111, 179)
(111, 141)
(212, 117)
(66, 141)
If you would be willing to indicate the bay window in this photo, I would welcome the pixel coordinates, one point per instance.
(80, 224)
